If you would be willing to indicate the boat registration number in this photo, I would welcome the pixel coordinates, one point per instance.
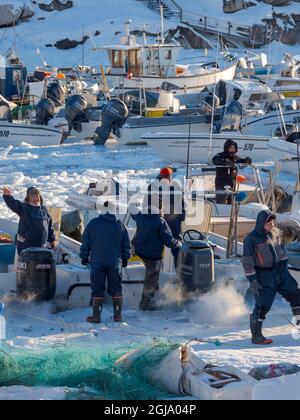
(248, 147)
(4, 133)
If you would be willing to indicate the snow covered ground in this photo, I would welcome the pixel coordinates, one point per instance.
(249, 16)
(58, 171)
(222, 316)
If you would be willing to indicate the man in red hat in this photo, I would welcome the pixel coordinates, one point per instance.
(172, 198)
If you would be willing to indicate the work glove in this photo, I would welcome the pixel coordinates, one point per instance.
(85, 262)
(255, 288)
(229, 163)
(124, 263)
(248, 161)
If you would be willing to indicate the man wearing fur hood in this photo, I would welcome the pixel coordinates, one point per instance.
(265, 262)
(35, 227)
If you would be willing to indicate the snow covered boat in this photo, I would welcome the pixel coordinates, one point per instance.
(14, 134)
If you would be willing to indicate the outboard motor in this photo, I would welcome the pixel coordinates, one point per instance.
(294, 137)
(36, 274)
(114, 115)
(195, 268)
(76, 112)
(231, 117)
(45, 111)
(56, 93)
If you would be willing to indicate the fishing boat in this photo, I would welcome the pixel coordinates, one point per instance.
(154, 66)
(174, 147)
(14, 134)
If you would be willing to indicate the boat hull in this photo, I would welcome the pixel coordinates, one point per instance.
(13, 134)
(173, 148)
(183, 83)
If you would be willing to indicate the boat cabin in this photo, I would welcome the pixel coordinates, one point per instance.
(247, 92)
(155, 60)
(12, 78)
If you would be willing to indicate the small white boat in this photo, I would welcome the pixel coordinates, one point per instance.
(173, 147)
(14, 134)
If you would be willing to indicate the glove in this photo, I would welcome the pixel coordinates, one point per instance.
(248, 161)
(229, 163)
(124, 263)
(255, 288)
(85, 262)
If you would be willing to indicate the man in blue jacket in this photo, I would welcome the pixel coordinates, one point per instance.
(265, 263)
(152, 235)
(35, 227)
(106, 245)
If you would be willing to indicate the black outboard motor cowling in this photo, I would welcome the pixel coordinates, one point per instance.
(56, 93)
(76, 112)
(45, 111)
(195, 268)
(114, 116)
(36, 274)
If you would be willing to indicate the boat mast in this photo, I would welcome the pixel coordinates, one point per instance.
(162, 26)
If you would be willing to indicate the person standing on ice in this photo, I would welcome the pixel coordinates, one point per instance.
(152, 235)
(265, 262)
(106, 245)
(173, 204)
(35, 227)
(227, 170)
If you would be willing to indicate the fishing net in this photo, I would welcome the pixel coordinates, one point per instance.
(91, 371)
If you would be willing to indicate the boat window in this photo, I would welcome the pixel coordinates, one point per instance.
(157, 54)
(287, 83)
(117, 58)
(169, 55)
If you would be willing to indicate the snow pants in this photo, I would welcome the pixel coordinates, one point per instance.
(273, 281)
(106, 275)
(151, 284)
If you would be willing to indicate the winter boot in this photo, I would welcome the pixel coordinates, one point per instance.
(147, 304)
(117, 302)
(97, 310)
(256, 331)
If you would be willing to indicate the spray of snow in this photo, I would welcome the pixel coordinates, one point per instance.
(223, 307)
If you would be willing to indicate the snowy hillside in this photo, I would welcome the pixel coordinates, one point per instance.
(249, 16)
(104, 21)
(46, 28)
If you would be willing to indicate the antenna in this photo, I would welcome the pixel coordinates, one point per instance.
(162, 24)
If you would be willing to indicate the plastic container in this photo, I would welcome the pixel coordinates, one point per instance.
(7, 254)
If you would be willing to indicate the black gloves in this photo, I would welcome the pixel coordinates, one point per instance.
(85, 262)
(229, 163)
(248, 161)
(124, 263)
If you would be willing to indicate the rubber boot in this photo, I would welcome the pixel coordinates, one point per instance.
(147, 304)
(296, 313)
(95, 318)
(117, 302)
(257, 335)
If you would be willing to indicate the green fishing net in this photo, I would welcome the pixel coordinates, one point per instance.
(90, 370)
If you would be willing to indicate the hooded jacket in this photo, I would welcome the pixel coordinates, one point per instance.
(262, 250)
(172, 203)
(152, 235)
(226, 174)
(105, 242)
(35, 226)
